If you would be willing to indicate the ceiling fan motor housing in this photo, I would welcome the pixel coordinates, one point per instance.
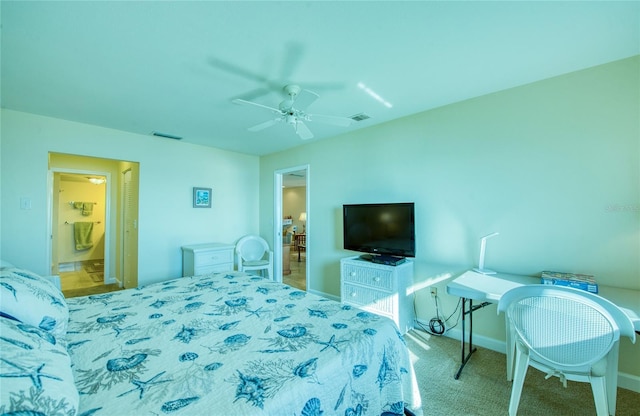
(292, 90)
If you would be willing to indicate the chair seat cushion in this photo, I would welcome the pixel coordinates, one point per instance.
(255, 263)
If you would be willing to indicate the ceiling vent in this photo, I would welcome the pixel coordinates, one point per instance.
(166, 136)
(360, 117)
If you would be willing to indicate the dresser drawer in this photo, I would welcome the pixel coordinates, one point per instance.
(373, 277)
(207, 258)
(212, 257)
(370, 298)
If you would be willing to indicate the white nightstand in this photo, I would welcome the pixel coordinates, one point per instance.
(206, 258)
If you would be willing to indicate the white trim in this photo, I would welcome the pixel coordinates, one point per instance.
(277, 229)
(325, 295)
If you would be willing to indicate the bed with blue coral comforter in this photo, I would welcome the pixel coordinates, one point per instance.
(234, 344)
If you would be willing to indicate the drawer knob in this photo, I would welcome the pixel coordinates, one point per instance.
(376, 279)
(352, 274)
(354, 294)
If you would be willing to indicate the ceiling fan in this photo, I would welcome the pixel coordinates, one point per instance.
(293, 111)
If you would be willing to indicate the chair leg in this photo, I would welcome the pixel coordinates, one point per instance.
(520, 372)
(611, 383)
(599, 388)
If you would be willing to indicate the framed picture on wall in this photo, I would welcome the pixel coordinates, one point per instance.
(202, 197)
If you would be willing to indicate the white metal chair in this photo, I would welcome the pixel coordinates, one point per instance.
(253, 253)
(568, 333)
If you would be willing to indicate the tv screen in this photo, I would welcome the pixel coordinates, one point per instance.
(387, 229)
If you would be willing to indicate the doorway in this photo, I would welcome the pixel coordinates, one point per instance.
(80, 232)
(93, 207)
(292, 211)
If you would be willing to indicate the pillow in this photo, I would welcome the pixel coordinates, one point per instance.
(34, 300)
(36, 373)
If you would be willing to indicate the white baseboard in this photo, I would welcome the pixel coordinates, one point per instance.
(324, 295)
(625, 380)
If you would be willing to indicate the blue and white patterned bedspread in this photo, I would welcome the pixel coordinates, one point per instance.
(235, 344)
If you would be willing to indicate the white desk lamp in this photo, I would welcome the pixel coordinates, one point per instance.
(483, 243)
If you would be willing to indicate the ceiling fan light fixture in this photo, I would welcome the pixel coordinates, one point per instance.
(97, 181)
(291, 119)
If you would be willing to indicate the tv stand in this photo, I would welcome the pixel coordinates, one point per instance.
(379, 288)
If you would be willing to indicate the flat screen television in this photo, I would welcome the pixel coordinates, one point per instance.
(384, 229)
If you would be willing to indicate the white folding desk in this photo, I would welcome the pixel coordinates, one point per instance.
(487, 289)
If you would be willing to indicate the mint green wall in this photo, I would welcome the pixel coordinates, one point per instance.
(168, 172)
(554, 166)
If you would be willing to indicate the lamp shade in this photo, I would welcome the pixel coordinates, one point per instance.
(303, 216)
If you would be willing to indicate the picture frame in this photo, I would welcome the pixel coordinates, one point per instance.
(201, 197)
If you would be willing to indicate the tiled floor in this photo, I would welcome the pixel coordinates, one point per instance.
(84, 278)
(298, 276)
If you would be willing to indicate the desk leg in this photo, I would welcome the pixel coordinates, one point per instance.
(465, 356)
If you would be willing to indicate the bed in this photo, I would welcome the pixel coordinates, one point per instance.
(218, 344)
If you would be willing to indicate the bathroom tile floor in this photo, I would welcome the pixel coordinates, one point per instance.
(84, 278)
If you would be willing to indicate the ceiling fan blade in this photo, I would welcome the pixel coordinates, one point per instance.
(242, 72)
(303, 131)
(264, 125)
(245, 102)
(304, 99)
(335, 120)
(253, 94)
(294, 51)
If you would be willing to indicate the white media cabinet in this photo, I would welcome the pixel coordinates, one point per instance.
(379, 288)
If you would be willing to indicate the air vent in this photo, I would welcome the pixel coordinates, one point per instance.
(360, 117)
(166, 136)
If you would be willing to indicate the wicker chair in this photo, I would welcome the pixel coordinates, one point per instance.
(568, 333)
(253, 253)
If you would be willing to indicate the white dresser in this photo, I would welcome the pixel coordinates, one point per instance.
(379, 289)
(206, 258)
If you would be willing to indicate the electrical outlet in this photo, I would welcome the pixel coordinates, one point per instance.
(434, 291)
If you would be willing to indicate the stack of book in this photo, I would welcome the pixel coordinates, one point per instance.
(579, 281)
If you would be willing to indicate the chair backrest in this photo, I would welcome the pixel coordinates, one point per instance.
(251, 247)
(567, 327)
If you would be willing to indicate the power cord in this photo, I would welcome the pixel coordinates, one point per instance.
(438, 326)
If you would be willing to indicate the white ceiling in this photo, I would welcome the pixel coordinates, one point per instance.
(174, 67)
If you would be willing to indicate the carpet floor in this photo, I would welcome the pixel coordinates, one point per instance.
(483, 389)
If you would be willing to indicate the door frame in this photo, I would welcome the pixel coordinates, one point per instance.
(277, 212)
(107, 217)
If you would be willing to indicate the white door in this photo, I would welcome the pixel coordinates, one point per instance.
(129, 226)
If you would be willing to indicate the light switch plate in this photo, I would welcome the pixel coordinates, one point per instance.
(25, 203)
